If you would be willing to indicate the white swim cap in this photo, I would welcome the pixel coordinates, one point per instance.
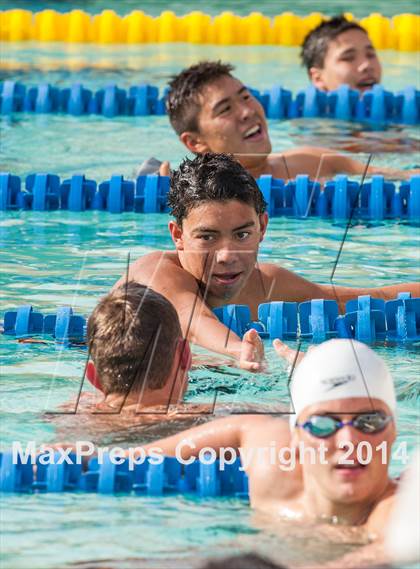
(340, 369)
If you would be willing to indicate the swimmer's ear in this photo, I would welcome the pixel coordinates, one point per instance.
(317, 78)
(186, 355)
(263, 224)
(176, 233)
(92, 376)
(194, 142)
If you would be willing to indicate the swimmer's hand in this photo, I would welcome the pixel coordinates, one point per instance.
(291, 356)
(164, 169)
(252, 352)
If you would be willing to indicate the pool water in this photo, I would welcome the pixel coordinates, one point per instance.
(242, 7)
(63, 258)
(100, 147)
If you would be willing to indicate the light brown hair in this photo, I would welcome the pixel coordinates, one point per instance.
(133, 334)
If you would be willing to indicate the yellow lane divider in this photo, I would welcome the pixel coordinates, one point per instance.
(402, 32)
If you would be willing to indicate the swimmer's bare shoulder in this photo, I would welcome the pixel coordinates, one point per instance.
(269, 485)
(272, 282)
(379, 515)
(162, 271)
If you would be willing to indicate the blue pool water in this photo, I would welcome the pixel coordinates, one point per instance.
(62, 258)
(242, 7)
(100, 147)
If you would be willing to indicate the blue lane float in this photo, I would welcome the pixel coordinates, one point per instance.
(367, 319)
(339, 199)
(202, 478)
(64, 326)
(377, 105)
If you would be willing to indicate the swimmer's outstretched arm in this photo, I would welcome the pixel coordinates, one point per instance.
(160, 271)
(344, 293)
(321, 163)
(288, 286)
(221, 433)
(367, 556)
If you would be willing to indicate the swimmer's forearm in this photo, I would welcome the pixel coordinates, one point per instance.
(210, 333)
(344, 164)
(344, 293)
(225, 432)
(364, 557)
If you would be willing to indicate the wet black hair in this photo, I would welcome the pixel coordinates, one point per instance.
(182, 100)
(212, 177)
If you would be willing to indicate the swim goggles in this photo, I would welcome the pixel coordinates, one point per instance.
(323, 426)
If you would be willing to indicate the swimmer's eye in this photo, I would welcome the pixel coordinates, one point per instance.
(205, 237)
(371, 54)
(246, 96)
(224, 110)
(348, 58)
(242, 235)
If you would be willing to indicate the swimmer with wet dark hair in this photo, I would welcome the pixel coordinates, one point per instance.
(219, 222)
(212, 111)
(339, 52)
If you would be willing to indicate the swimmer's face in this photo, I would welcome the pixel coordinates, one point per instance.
(350, 59)
(231, 121)
(336, 482)
(218, 245)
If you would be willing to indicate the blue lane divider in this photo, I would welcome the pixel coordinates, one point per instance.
(169, 476)
(377, 199)
(278, 319)
(376, 105)
(64, 326)
(79, 194)
(317, 319)
(367, 319)
(23, 322)
(403, 319)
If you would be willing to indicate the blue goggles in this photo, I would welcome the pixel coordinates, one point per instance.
(323, 426)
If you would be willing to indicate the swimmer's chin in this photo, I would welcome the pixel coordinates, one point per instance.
(288, 514)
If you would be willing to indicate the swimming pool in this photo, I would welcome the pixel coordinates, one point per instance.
(62, 258)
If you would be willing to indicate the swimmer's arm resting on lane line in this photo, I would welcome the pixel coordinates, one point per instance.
(323, 163)
(220, 433)
(289, 286)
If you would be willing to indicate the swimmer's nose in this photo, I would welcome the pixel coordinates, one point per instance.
(364, 64)
(245, 111)
(226, 256)
(348, 435)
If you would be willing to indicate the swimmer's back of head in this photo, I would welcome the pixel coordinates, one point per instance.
(133, 334)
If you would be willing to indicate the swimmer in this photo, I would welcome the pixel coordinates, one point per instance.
(343, 399)
(213, 111)
(139, 361)
(339, 52)
(139, 358)
(220, 220)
